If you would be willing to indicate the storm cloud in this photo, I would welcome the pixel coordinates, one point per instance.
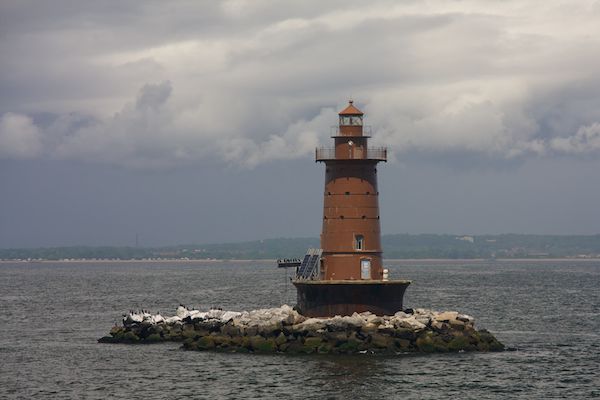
(196, 121)
(157, 85)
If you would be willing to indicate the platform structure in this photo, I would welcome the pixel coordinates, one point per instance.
(348, 274)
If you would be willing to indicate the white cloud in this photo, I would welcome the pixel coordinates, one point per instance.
(585, 141)
(19, 137)
(152, 133)
(249, 82)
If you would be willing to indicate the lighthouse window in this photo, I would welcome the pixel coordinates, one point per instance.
(359, 242)
(355, 120)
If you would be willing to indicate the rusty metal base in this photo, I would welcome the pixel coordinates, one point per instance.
(345, 297)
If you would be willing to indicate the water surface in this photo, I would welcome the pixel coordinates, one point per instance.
(52, 314)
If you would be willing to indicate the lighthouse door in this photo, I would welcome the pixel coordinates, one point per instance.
(365, 269)
(358, 152)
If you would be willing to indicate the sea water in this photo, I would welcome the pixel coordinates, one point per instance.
(51, 315)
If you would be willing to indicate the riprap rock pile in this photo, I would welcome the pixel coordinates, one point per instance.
(285, 330)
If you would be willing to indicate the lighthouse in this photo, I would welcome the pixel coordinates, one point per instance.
(350, 238)
(346, 274)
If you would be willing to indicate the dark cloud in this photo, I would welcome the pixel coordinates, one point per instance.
(151, 97)
(505, 80)
(459, 91)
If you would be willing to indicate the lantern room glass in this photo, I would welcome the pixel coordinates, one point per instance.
(351, 120)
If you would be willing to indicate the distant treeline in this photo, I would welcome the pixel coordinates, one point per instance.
(394, 246)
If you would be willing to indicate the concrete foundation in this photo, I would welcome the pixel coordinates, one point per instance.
(320, 298)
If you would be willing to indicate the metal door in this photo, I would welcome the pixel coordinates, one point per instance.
(365, 269)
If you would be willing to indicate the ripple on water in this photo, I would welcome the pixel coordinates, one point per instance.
(53, 314)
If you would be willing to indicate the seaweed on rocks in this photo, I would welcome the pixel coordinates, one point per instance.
(284, 330)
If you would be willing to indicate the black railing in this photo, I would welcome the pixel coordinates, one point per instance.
(357, 153)
(335, 131)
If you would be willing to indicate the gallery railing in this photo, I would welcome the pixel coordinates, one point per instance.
(357, 153)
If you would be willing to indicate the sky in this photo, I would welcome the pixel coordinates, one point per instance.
(196, 121)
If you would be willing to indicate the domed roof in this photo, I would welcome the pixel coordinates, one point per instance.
(351, 110)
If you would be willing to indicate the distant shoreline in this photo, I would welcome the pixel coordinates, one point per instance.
(398, 248)
(174, 260)
(217, 261)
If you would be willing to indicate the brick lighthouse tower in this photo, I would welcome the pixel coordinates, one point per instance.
(346, 274)
(351, 235)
